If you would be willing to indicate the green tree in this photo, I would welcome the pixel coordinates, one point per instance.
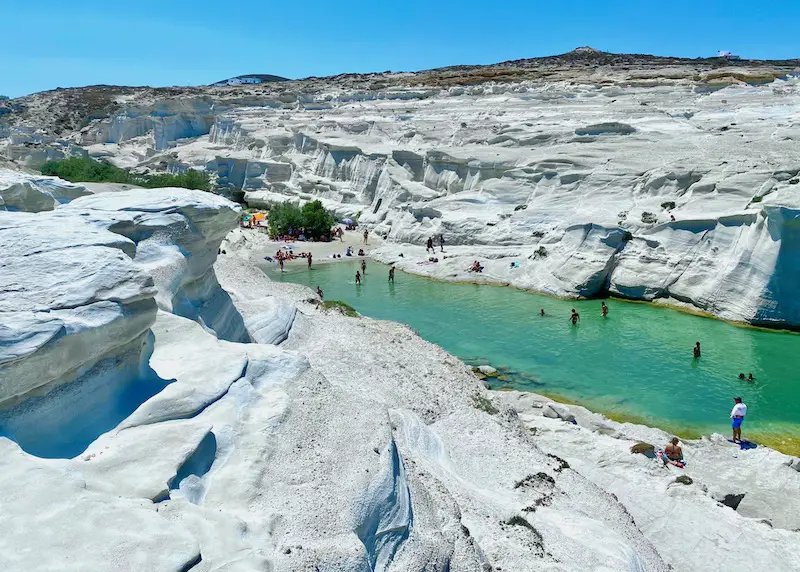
(316, 220)
(312, 219)
(282, 217)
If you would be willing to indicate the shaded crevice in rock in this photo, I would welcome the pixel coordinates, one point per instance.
(388, 519)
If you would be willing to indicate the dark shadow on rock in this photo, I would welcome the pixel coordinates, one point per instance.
(62, 422)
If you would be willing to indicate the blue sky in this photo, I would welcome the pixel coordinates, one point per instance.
(52, 43)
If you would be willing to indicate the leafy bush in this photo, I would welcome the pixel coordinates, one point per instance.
(649, 218)
(340, 306)
(313, 219)
(756, 199)
(627, 236)
(190, 179)
(541, 252)
(87, 170)
(520, 207)
(668, 205)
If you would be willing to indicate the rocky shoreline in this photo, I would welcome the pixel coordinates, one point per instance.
(254, 430)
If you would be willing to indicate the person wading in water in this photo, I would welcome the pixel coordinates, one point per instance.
(575, 317)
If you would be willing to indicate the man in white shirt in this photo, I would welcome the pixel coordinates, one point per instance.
(737, 417)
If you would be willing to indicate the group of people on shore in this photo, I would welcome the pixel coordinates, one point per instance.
(673, 451)
(429, 247)
(281, 256)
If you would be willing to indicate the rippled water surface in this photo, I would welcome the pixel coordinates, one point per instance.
(636, 364)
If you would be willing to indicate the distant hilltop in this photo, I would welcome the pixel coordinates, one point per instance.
(249, 79)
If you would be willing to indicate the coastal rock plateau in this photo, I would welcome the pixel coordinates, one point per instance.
(165, 409)
(648, 178)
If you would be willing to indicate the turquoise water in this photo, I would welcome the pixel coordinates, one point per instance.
(636, 364)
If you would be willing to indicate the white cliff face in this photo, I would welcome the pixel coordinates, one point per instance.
(34, 193)
(177, 233)
(351, 445)
(576, 177)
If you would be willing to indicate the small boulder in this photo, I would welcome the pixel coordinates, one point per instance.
(684, 480)
(556, 411)
(487, 370)
(730, 500)
(645, 449)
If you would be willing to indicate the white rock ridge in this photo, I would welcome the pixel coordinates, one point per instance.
(33, 193)
(352, 445)
(576, 173)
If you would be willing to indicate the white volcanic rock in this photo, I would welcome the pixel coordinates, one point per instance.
(353, 445)
(589, 168)
(766, 520)
(268, 319)
(177, 233)
(21, 191)
(71, 297)
(51, 521)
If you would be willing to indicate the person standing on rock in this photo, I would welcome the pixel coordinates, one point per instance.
(737, 418)
(441, 242)
(697, 350)
(575, 317)
(319, 293)
(603, 309)
(358, 277)
(391, 274)
(429, 246)
(366, 236)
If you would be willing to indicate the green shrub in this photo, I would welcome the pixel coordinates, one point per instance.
(313, 219)
(87, 170)
(340, 306)
(756, 199)
(627, 236)
(668, 205)
(190, 179)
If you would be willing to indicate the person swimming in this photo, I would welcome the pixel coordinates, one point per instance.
(750, 378)
(541, 312)
(575, 317)
(603, 309)
(358, 277)
(697, 350)
(741, 376)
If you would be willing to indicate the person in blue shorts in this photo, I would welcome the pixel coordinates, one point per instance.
(737, 417)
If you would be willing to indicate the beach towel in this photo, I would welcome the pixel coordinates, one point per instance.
(667, 461)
